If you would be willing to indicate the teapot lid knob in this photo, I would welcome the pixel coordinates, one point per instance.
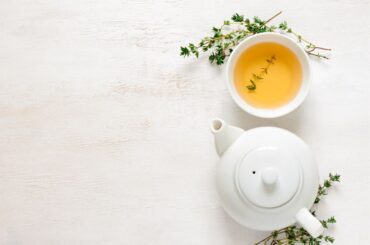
(269, 176)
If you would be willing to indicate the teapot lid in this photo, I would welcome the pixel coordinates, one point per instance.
(265, 177)
(268, 177)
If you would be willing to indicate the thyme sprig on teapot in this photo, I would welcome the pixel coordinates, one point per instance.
(297, 235)
(260, 76)
(233, 31)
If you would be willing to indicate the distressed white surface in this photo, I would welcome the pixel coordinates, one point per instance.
(104, 128)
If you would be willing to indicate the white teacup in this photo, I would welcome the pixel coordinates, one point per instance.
(273, 38)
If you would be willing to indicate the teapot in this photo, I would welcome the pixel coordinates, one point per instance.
(267, 177)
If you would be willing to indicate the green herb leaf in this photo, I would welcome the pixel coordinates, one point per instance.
(184, 51)
(237, 17)
(251, 87)
(283, 25)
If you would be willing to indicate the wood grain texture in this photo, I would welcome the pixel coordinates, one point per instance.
(104, 128)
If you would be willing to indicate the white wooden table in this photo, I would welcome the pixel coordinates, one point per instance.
(104, 129)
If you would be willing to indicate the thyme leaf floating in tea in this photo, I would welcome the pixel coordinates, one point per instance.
(297, 235)
(233, 31)
(253, 86)
(261, 75)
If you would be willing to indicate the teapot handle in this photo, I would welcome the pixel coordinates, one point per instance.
(309, 222)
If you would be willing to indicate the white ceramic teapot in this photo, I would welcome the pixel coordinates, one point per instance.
(267, 178)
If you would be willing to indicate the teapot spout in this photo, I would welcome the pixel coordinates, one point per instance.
(225, 135)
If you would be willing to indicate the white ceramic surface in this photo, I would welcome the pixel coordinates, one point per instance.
(286, 42)
(266, 177)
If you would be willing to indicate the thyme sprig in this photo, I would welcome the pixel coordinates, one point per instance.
(260, 76)
(323, 189)
(297, 235)
(224, 38)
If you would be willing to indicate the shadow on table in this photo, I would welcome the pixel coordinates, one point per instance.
(240, 118)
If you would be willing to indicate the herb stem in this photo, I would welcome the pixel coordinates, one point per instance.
(310, 48)
(316, 47)
(273, 17)
(260, 76)
(275, 233)
(318, 55)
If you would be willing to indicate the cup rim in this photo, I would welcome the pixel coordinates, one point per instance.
(286, 42)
